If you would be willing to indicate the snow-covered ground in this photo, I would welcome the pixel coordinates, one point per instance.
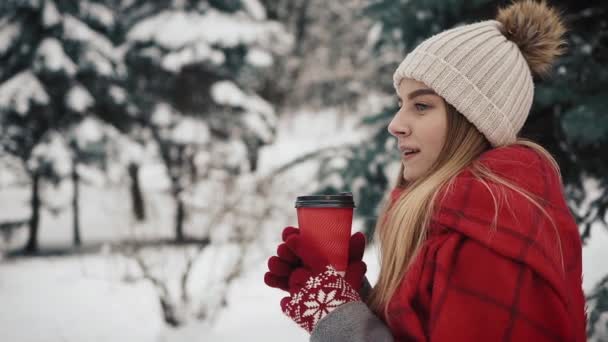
(96, 297)
(82, 299)
(89, 297)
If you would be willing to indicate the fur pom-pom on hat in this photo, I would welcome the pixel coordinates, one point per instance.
(537, 30)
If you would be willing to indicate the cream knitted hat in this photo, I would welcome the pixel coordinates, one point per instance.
(485, 69)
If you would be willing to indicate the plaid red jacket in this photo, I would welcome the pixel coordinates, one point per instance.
(470, 282)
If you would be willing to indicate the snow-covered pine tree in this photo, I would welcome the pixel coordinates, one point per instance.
(57, 66)
(196, 72)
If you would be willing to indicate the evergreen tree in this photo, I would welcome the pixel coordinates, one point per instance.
(58, 65)
(196, 72)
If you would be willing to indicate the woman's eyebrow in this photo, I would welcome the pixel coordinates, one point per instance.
(418, 92)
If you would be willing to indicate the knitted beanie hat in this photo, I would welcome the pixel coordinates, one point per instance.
(485, 69)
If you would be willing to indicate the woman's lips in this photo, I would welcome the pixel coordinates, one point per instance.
(408, 156)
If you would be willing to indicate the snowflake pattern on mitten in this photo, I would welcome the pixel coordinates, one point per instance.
(322, 294)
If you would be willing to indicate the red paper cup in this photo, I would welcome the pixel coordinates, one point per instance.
(325, 223)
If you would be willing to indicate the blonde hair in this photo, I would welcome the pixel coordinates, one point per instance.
(402, 226)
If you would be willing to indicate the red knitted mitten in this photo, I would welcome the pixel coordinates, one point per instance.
(287, 271)
(323, 293)
(281, 266)
(311, 264)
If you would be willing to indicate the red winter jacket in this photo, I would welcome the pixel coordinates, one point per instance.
(472, 283)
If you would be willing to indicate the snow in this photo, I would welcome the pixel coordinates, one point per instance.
(18, 92)
(84, 299)
(154, 177)
(337, 163)
(91, 175)
(98, 12)
(89, 131)
(8, 33)
(11, 171)
(255, 9)
(162, 114)
(259, 126)
(118, 94)
(14, 201)
(130, 151)
(374, 34)
(58, 196)
(50, 14)
(77, 30)
(74, 299)
(54, 151)
(177, 29)
(595, 252)
(191, 131)
(256, 310)
(259, 117)
(233, 153)
(95, 297)
(79, 99)
(228, 93)
(601, 328)
(151, 52)
(595, 255)
(50, 55)
(259, 58)
(98, 61)
(198, 52)
(302, 132)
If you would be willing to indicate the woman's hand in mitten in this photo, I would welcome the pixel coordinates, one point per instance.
(355, 272)
(316, 288)
(281, 266)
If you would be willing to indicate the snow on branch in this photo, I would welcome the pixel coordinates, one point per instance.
(79, 98)
(20, 91)
(175, 29)
(8, 33)
(50, 56)
(81, 32)
(97, 12)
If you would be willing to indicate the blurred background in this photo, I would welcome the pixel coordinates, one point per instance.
(151, 152)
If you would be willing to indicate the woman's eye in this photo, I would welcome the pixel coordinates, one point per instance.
(421, 106)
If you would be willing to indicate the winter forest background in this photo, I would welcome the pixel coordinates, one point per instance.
(151, 152)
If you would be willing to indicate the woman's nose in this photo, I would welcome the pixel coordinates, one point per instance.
(398, 127)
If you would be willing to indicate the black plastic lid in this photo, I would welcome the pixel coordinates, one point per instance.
(343, 200)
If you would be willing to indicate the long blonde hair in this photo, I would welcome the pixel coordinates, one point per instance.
(402, 226)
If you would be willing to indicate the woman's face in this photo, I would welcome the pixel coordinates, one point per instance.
(420, 127)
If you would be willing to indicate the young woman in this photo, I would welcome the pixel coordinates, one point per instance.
(477, 242)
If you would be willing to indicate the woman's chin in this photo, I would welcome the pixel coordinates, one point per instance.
(409, 176)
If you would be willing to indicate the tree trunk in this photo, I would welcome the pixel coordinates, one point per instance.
(137, 199)
(75, 204)
(32, 243)
(169, 313)
(179, 217)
